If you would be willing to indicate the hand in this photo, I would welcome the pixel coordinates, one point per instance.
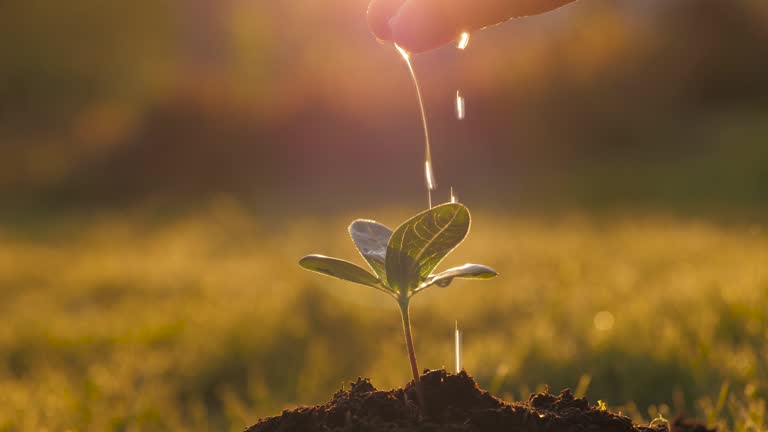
(422, 25)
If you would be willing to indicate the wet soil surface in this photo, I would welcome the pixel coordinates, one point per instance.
(454, 403)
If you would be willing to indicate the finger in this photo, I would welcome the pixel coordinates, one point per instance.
(379, 14)
(421, 25)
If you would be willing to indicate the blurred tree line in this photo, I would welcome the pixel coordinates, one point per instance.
(659, 103)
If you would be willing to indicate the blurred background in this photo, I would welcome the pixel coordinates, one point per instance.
(164, 164)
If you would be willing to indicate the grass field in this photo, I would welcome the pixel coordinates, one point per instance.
(205, 321)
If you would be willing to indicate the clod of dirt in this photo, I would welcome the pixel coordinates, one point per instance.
(454, 403)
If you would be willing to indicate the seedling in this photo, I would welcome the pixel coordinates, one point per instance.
(403, 261)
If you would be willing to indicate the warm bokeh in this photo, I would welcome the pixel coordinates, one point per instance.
(164, 164)
(600, 103)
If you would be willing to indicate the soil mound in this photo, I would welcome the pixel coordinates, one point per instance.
(454, 403)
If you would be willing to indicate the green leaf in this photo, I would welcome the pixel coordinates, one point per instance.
(339, 269)
(418, 245)
(467, 271)
(371, 239)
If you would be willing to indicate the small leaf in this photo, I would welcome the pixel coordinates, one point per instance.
(419, 244)
(371, 239)
(467, 271)
(339, 269)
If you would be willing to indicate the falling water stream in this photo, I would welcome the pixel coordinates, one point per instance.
(428, 167)
(429, 173)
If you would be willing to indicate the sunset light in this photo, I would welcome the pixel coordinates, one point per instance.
(168, 169)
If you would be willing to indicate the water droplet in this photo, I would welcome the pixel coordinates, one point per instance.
(458, 337)
(460, 106)
(430, 177)
(403, 53)
(463, 41)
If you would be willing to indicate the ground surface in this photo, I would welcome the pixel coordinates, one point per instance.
(454, 403)
(204, 321)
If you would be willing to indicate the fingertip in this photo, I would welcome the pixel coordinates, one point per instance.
(423, 26)
(415, 40)
(379, 14)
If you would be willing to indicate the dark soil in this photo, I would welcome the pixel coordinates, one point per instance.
(454, 403)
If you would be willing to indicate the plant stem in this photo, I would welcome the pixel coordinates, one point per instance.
(411, 352)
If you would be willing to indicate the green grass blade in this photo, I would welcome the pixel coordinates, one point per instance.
(419, 244)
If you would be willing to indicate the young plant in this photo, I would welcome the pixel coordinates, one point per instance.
(403, 261)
